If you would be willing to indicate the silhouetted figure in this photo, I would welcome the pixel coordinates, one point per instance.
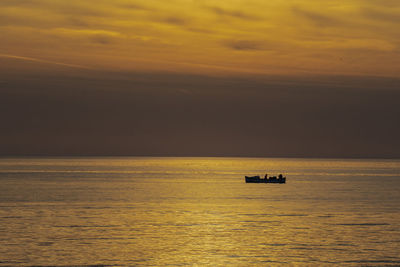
(266, 176)
(280, 176)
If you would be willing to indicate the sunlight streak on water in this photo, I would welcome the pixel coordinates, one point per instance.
(186, 211)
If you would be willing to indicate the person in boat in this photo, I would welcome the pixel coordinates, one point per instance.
(280, 176)
(266, 176)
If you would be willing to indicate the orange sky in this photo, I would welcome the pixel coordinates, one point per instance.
(201, 36)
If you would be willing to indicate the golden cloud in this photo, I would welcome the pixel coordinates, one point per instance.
(267, 36)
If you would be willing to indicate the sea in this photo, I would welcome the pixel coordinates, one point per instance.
(148, 211)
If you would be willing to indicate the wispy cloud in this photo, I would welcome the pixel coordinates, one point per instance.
(232, 13)
(205, 32)
(319, 19)
(175, 20)
(45, 61)
(244, 45)
(388, 15)
(95, 35)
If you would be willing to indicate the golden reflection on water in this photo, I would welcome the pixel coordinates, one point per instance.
(155, 212)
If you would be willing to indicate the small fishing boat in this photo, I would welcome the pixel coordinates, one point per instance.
(272, 179)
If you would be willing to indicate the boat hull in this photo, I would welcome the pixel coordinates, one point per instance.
(258, 180)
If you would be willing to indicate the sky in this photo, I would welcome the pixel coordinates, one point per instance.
(200, 78)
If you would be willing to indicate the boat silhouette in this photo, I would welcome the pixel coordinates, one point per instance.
(272, 179)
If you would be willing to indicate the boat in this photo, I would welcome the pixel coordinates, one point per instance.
(272, 179)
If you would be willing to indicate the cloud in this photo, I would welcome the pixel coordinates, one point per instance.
(319, 19)
(114, 33)
(16, 3)
(101, 39)
(244, 45)
(232, 13)
(134, 6)
(44, 61)
(87, 32)
(175, 20)
(96, 36)
(389, 15)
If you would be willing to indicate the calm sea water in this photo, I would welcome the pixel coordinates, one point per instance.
(198, 211)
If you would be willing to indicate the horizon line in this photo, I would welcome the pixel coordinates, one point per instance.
(176, 156)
